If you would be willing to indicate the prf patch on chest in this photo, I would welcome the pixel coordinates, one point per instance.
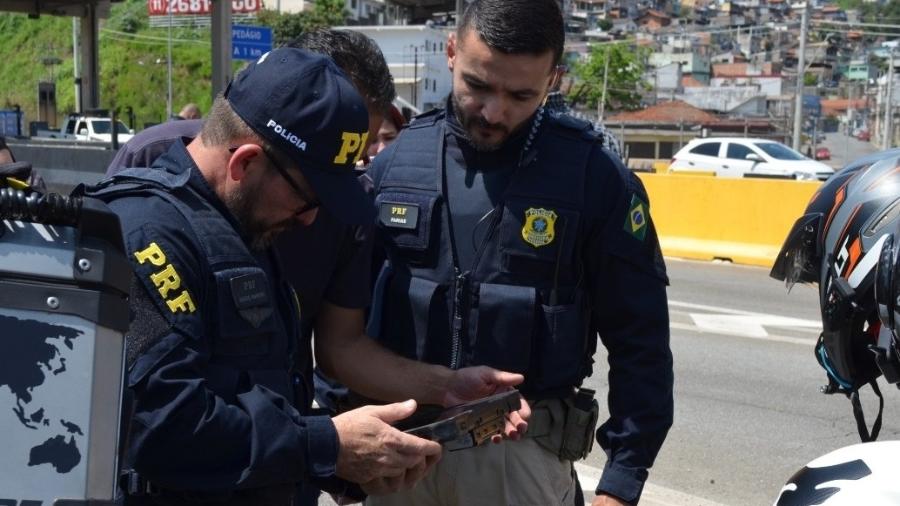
(250, 295)
(399, 215)
(540, 226)
(166, 279)
(636, 220)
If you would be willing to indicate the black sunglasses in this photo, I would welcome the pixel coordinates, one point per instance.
(311, 202)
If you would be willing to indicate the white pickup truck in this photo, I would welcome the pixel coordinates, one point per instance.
(89, 128)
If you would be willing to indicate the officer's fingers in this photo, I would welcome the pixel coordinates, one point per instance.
(521, 416)
(414, 446)
(431, 460)
(415, 474)
(391, 413)
(506, 379)
(377, 486)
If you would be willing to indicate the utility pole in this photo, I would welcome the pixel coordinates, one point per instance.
(801, 71)
(415, 90)
(76, 71)
(169, 65)
(851, 113)
(888, 105)
(601, 107)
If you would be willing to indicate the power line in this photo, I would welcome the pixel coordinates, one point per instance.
(151, 37)
(862, 32)
(132, 41)
(853, 23)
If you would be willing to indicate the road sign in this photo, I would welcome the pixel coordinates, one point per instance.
(250, 42)
(197, 7)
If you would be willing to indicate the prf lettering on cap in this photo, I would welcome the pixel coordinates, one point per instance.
(166, 280)
(352, 144)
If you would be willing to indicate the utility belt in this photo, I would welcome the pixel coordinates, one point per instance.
(565, 426)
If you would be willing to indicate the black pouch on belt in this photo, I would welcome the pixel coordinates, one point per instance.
(582, 412)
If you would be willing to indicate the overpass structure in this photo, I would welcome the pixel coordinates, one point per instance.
(89, 12)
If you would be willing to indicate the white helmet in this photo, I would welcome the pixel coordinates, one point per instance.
(859, 475)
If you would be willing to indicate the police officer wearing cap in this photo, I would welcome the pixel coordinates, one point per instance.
(214, 330)
(513, 239)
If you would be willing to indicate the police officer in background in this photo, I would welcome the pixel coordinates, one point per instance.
(513, 240)
(211, 348)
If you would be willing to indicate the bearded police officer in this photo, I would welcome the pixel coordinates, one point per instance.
(211, 348)
(513, 239)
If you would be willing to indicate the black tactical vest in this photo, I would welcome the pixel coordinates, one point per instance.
(251, 342)
(523, 306)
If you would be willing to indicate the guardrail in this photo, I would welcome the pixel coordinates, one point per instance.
(64, 163)
(741, 220)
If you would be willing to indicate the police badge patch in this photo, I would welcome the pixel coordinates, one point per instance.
(539, 227)
(636, 221)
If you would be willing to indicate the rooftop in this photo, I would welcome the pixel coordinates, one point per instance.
(666, 113)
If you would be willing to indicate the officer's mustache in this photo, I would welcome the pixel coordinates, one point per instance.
(485, 124)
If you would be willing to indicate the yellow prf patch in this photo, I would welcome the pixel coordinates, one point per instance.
(352, 144)
(166, 280)
(539, 228)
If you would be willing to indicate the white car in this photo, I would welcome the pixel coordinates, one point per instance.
(100, 130)
(740, 157)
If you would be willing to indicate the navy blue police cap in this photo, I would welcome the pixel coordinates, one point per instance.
(304, 105)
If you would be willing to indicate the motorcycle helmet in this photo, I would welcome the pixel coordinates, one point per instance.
(838, 244)
(861, 474)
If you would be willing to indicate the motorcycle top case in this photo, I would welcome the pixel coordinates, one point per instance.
(64, 280)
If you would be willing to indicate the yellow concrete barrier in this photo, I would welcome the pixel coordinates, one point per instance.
(660, 167)
(742, 220)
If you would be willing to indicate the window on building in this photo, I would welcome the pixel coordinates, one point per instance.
(707, 149)
(738, 151)
(353, 4)
(641, 149)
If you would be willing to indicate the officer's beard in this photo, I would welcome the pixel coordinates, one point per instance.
(258, 234)
(470, 123)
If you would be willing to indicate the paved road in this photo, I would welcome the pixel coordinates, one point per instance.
(845, 148)
(748, 413)
(748, 410)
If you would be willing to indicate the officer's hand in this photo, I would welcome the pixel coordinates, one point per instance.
(370, 449)
(471, 383)
(608, 500)
(381, 486)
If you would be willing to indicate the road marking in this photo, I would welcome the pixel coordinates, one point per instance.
(740, 323)
(788, 321)
(773, 338)
(653, 495)
(751, 326)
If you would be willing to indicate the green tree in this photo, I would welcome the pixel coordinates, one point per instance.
(605, 25)
(810, 79)
(285, 26)
(624, 81)
(327, 13)
(288, 26)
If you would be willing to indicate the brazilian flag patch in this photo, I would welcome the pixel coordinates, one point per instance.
(636, 220)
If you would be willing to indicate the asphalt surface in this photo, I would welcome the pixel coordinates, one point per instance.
(845, 149)
(748, 410)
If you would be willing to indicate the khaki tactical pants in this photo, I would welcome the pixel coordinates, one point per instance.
(513, 473)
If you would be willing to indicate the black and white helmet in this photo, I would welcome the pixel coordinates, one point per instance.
(838, 243)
